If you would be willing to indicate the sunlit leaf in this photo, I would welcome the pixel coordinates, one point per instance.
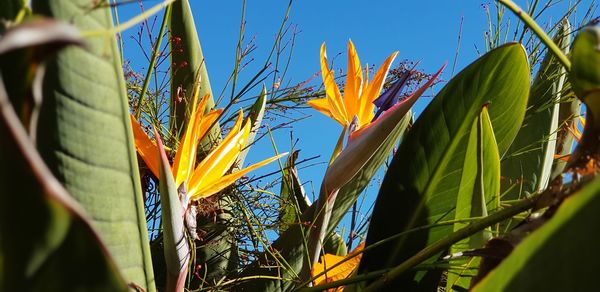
(478, 192)
(422, 183)
(85, 137)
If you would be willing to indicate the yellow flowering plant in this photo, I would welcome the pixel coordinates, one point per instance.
(210, 175)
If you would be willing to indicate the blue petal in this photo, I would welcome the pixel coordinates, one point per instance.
(392, 95)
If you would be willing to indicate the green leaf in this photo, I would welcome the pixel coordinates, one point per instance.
(23, 50)
(256, 114)
(46, 240)
(422, 183)
(188, 66)
(292, 199)
(527, 165)
(478, 192)
(562, 255)
(85, 137)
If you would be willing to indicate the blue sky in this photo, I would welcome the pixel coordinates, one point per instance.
(425, 31)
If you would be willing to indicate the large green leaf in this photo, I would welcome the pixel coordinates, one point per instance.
(46, 240)
(85, 137)
(188, 65)
(562, 255)
(527, 165)
(478, 192)
(290, 244)
(422, 183)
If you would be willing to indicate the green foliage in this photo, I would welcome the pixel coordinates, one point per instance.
(528, 163)
(422, 183)
(292, 199)
(476, 195)
(85, 137)
(72, 184)
(560, 256)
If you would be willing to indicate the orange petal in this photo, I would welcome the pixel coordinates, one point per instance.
(206, 122)
(145, 147)
(185, 158)
(209, 188)
(372, 91)
(353, 87)
(340, 272)
(221, 158)
(322, 105)
(336, 104)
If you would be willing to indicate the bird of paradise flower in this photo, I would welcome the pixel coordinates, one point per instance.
(210, 175)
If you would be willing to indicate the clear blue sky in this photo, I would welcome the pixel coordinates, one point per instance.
(425, 31)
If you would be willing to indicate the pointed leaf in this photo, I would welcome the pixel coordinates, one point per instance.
(85, 137)
(292, 198)
(569, 114)
(422, 183)
(478, 192)
(257, 111)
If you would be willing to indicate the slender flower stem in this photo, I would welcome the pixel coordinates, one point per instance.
(539, 32)
(155, 52)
